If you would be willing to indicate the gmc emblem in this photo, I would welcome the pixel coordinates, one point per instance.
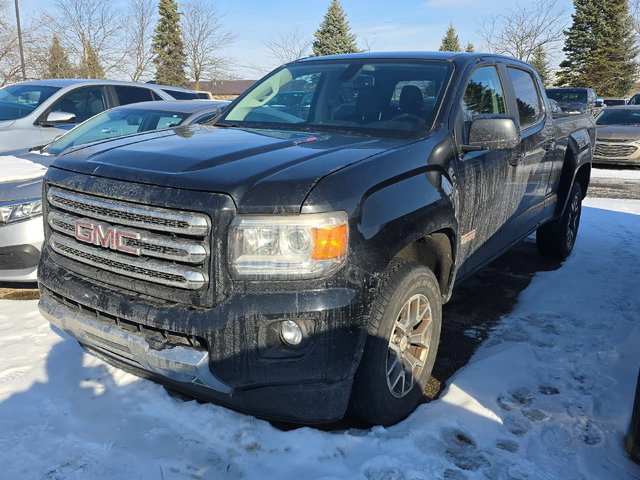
(105, 236)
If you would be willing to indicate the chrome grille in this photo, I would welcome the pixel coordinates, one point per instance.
(124, 214)
(155, 252)
(615, 140)
(614, 150)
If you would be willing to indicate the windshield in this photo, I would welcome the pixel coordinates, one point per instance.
(619, 116)
(115, 123)
(18, 101)
(568, 96)
(396, 99)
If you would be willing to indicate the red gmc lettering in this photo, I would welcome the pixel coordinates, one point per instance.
(84, 231)
(105, 239)
(120, 246)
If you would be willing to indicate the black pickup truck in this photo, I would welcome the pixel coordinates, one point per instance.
(291, 259)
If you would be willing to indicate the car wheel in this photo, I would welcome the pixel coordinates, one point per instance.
(401, 346)
(558, 239)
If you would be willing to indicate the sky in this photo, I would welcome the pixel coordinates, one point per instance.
(394, 25)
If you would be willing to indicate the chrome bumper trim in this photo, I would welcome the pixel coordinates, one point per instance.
(177, 363)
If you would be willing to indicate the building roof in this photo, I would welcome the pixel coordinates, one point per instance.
(227, 87)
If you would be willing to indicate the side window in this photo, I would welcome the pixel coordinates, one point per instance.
(127, 95)
(84, 103)
(527, 97)
(483, 94)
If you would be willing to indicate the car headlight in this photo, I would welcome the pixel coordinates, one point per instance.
(21, 210)
(288, 246)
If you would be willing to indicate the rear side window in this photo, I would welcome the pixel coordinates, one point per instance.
(180, 95)
(527, 97)
(127, 95)
(483, 94)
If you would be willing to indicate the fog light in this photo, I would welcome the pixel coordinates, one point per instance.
(291, 332)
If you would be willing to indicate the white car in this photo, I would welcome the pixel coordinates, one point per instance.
(36, 112)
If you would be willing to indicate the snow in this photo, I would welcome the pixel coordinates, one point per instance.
(15, 168)
(547, 396)
(626, 173)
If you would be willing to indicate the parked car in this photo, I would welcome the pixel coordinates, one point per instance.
(618, 136)
(614, 102)
(21, 233)
(576, 100)
(293, 264)
(635, 100)
(33, 113)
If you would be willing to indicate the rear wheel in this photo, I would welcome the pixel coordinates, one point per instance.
(558, 239)
(401, 347)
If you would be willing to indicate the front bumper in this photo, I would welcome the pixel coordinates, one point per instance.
(20, 246)
(232, 365)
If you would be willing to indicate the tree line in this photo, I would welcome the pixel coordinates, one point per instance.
(600, 45)
(137, 40)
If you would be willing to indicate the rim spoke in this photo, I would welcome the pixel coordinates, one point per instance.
(410, 361)
(393, 365)
(418, 339)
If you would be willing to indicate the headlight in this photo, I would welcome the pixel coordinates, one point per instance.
(16, 211)
(288, 246)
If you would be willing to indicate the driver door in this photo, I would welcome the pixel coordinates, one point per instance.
(484, 177)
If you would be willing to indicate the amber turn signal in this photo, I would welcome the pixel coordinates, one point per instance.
(329, 242)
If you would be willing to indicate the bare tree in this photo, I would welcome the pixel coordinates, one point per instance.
(288, 45)
(9, 57)
(205, 38)
(86, 26)
(368, 43)
(521, 30)
(141, 20)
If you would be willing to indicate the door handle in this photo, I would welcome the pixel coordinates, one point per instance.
(516, 159)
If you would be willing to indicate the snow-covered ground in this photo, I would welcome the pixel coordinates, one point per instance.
(625, 173)
(547, 396)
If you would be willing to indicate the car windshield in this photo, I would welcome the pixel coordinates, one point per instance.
(377, 98)
(18, 101)
(116, 123)
(568, 96)
(619, 116)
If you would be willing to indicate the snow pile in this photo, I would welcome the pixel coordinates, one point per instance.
(15, 168)
(547, 396)
(627, 173)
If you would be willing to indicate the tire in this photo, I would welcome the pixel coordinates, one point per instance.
(557, 240)
(374, 399)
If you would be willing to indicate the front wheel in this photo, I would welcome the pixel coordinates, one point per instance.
(557, 240)
(400, 351)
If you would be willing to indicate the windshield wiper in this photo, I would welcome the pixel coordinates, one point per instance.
(225, 124)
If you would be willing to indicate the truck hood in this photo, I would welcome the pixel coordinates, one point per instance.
(618, 132)
(260, 169)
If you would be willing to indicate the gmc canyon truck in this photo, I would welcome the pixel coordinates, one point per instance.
(291, 259)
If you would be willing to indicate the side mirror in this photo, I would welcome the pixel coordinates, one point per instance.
(58, 118)
(599, 102)
(493, 132)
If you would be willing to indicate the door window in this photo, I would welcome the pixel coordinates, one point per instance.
(127, 95)
(527, 97)
(483, 95)
(84, 103)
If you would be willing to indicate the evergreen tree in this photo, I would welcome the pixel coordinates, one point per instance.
(168, 46)
(58, 65)
(601, 48)
(540, 63)
(470, 48)
(334, 36)
(450, 41)
(92, 67)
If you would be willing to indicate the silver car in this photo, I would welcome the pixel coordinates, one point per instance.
(618, 136)
(21, 230)
(33, 113)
